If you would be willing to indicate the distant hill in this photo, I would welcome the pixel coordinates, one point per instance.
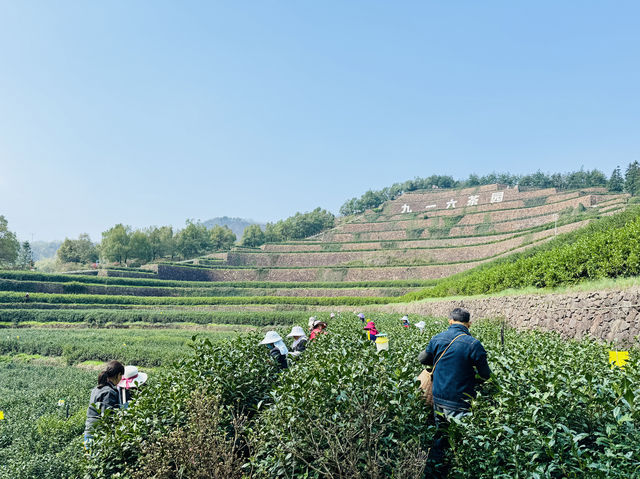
(44, 249)
(237, 225)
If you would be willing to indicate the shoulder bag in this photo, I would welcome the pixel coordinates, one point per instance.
(426, 377)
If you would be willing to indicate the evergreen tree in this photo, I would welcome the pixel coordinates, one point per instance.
(25, 257)
(616, 182)
(632, 179)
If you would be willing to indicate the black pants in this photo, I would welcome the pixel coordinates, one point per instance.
(437, 453)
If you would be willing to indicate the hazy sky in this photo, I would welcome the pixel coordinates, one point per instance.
(151, 112)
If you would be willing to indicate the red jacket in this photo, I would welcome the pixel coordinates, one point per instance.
(315, 332)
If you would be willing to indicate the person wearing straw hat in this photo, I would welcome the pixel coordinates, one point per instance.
(277, 349)
(104, 396)
(319, 327)
(131, 379)
(299, 340)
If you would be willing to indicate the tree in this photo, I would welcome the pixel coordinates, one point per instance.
(81, 250)
(162, 241)
(193, 240)
(115, 243)
(616, 182)
(25, 257)
(9, 245)
(140, 246)
(253, 236)
(632, 179)
(222, 238)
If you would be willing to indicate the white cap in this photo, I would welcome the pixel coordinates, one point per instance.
(271, 337)
(296, 331)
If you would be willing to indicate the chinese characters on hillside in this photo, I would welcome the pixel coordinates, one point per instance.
(472, 200)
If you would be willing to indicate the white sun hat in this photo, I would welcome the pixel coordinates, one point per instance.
(332, 315)
(404, 318)
(420, 325)
(296, 331)
(271, 337)
(132, 378)
(312, 320)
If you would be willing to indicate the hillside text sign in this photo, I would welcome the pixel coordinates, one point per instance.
(472, 200)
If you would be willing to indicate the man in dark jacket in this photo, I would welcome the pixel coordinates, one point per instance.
(457, 357)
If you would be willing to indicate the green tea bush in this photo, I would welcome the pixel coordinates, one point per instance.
(553, 408)
(101, 317)
(608, 248)
(10, 297)
(235, 372)
(37, 440)
(62, 278)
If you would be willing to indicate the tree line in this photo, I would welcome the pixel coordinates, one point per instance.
(298, 226)
(629, 183)
(122, 244)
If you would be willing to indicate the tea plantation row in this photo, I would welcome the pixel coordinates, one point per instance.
(608, 248)
(44, 404)
(554, 408)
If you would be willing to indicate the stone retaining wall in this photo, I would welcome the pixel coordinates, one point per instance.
(506, 215)
(376, 245)
(609, 315)
(401, 255)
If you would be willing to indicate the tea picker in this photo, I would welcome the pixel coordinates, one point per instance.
(299, 341)
(277, 349)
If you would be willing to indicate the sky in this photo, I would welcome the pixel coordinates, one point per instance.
(151, 112)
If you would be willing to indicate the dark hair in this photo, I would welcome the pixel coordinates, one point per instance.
(461, 315)
(111, 370)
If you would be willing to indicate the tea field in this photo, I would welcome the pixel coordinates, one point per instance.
(140, 346)
(44, 399)
(553, 408)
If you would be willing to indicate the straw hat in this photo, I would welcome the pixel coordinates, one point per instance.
(271, 337)
(132, 378)
(296, 331)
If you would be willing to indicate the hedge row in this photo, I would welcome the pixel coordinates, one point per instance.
(212, 300)
(66, 278)
(81, 288)
(102, 317)
(607, 248)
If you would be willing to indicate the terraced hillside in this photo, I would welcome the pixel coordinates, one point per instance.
(427, 235)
